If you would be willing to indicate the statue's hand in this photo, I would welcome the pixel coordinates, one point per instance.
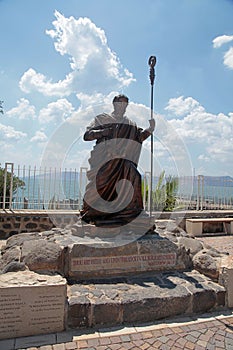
(152, 125)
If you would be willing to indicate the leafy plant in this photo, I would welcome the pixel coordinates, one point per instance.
(164, 196)
(16, 183)
(159, 195)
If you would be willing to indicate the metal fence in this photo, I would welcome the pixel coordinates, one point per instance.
(56, 189)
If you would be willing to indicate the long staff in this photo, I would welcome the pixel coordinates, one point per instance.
(152, 63)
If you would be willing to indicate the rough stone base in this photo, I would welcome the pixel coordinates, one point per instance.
(142, 299)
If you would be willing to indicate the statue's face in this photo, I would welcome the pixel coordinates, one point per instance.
(120, 107)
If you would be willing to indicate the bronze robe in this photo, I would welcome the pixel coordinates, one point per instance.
(113, 158)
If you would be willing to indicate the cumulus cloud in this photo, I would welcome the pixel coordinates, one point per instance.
(222, 39)
(181, 106)
(55, 112)
(33, 81)
(95, 68)
(228, 56)
(23, 110)
(9, 133)
(39, 137)
(211, 133)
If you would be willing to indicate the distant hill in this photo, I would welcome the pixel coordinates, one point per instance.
(223, 181)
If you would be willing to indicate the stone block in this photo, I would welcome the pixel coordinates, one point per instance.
(31, 304)
(79, 310)
(7, 344)
(226, 278)
(203, 300)
(143, 298)
(151, 253)
(107, 312)
(155, 307)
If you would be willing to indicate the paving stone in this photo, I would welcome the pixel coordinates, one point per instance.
(136, 336)
(177, 330)
(219, 344)
(151, 341)
(115, 340)
(71, 346)
(146, 335)
(125, 338)
(165, 347)
(190, 338)
(104, 341)
(163, 339)
(199, 347)
(82, 344)
(167, 331)
(93, 342)
(181, 341)
(145, 346)
(127, 346)
(59, 347)
(210, 347)
(190, 345)
(114, 346)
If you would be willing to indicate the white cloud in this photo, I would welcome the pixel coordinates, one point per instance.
(181, 106)
(33, 81)
(222, 39)
(228, 58)
(211, 134)
(9, 133)
(55, 112)
(23, 110)
(39, 136)
(95, 68)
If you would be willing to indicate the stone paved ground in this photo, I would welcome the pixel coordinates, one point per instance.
(208, 332)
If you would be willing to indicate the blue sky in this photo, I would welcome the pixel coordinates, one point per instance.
(63, 61)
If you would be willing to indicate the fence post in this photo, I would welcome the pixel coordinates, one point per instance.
(5, 185)
(80, 185)
(147, 182)
(202, 191)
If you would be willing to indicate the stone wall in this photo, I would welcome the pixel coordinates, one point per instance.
(13, 222)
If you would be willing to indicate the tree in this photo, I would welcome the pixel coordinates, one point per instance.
(1, 107)
(17, 183)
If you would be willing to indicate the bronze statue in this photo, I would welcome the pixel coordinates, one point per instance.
(113, 194)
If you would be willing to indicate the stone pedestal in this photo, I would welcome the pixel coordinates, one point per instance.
(31, 304)
(95, 259)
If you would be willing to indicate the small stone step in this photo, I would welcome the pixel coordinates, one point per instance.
(143, 298)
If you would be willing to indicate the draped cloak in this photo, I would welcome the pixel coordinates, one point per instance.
(114, 158)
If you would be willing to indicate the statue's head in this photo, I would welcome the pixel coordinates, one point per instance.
(120, 98)
(120, 103)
